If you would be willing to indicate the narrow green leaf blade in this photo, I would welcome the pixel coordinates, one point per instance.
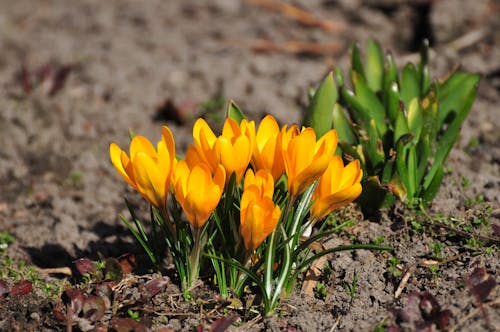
(390, 76)
(342, 125)
(433, 187)
(423, 67)
(449, 137)
(319, 113)
(454, 93)
(401, 126)
(357, 112)
(402, 148)
(393, 102)
(372, 145)
(370, 102)
(356, 62)
(409, 85)
(415, 118)
(430, 118)
(374, 66)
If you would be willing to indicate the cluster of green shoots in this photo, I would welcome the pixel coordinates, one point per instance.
(243, 208)
(400, 125)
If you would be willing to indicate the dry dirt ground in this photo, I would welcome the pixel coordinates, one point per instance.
(76, 75)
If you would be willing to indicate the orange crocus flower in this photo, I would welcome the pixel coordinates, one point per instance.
(147, 170)
(267, 153)
(337, 187)
(305, 158)
(262, 179)
(232, 149)
(258, 213)
(197, 190)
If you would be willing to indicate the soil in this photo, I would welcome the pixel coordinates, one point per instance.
(76, 76)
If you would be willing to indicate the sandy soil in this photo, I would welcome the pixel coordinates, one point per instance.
(60, 196)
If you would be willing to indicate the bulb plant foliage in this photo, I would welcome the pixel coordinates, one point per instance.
(400, 125)
(237, 207)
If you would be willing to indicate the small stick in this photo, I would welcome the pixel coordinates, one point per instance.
(56, 270)
(404, 280)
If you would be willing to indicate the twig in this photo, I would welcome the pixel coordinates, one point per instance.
(404, 280)
(56, 270)
(334, 326)
(300, 15)
(246, 326)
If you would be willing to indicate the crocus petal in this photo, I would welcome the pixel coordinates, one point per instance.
(235, 157)
(199, 126)
(197, 191)
(122, 164)
(339, 199)
(352, 173)
(260, 220)
(149, 179)
(263, 180)
(141, 144)
(231, 128)
(203, 195)
(337, 187)
(307, 177)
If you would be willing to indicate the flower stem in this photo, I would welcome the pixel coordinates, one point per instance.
(194, 256)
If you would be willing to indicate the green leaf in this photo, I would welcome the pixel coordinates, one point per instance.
(234, 112)
(357, 111)
(393, 102)
(370, 102)
(342, 125)
(372, 144)
(401, 126)
(455, 92)
(433, 187)
(351, 153)
(415, 118)
(423, 153)
(339, 76)
(356, 62)
(423, 67)
(390, 76)
(388, 171)
(406, 164)
(410, 87)
(449, 137)
(430, 112)
(319, 113)
(374, 66)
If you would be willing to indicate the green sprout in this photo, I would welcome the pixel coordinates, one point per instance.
(352, 288)
(399, 124)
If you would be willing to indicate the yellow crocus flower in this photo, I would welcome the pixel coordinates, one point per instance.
(197, 190)
(262, 179)
(232, 149)
(337, 187)
(305, 158)
(147, 170)
(267, 153)
(258, 216)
